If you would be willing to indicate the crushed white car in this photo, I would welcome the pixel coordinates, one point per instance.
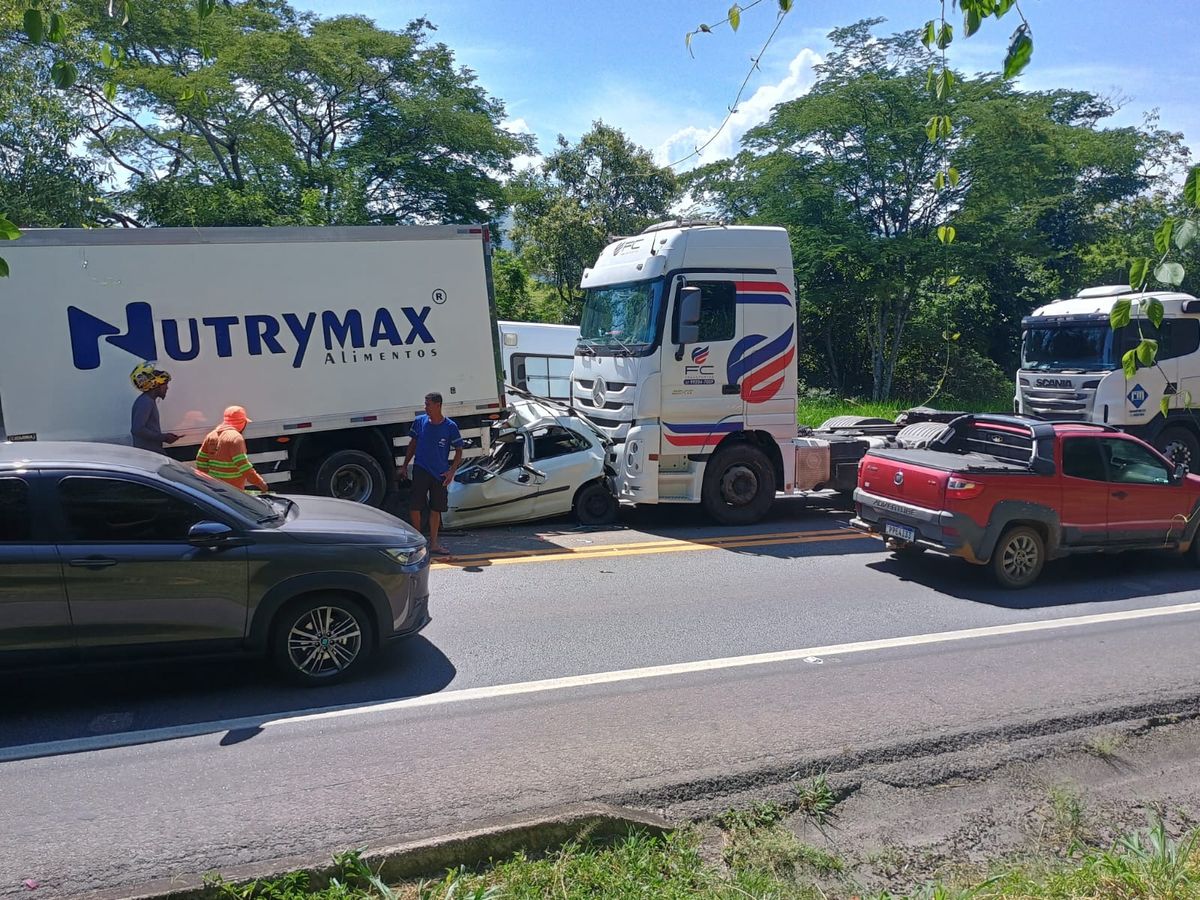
(544, 462)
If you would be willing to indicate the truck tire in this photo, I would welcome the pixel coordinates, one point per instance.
(739, 485)
(595, 505)
(352, 475)
(321, 639)
(1018, 558)
(1179, 445)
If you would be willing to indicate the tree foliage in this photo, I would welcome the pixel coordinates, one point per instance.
(566, 211)
(263, 115)
(848, 169)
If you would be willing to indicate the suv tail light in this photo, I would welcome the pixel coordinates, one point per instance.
(962, 489)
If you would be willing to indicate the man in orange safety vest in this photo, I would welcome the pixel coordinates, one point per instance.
(223, 452)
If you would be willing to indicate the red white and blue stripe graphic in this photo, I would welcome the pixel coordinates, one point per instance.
(698, 434)
(760, 364)
(772, 293)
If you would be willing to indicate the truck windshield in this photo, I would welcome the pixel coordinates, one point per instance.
(1083, 346)
(621, 315)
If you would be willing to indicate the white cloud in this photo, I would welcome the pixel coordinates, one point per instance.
(750, 112)
(525, 161)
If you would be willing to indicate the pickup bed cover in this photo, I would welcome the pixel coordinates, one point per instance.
(947, 461)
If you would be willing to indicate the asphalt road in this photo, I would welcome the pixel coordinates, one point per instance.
(650, 663)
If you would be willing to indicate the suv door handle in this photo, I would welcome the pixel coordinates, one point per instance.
(1120, 495)
(93, 562)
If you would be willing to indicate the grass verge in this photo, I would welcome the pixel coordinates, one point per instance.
(812, 412)
(760, 858)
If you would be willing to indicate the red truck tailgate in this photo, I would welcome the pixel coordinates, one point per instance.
(905, 482)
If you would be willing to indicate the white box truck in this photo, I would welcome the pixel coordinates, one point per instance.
(537, 357)
(330, 337)
(1071, 368)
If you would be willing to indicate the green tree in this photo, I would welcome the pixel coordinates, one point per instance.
(847, 168)
(264, 115)
(566, 211)
(43, 183)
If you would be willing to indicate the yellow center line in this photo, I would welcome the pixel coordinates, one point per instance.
(647, 548)
(779, 536)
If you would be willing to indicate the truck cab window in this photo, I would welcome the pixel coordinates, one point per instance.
(718, 311)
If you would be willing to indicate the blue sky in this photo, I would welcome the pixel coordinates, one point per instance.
(560, 64)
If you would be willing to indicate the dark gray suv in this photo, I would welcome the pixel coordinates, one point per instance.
(108, 551)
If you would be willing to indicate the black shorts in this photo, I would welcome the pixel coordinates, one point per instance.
(427, 492)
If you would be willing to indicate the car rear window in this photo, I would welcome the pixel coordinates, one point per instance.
(15, 514)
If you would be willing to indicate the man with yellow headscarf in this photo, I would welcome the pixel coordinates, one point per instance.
(145, 426)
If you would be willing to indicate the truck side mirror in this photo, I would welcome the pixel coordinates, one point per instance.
(689, 318)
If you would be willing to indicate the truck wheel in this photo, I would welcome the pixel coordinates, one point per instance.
(1018, 558)
(595, 505)
(1179, 445)
(352, 475)
(738, 485)
(321, 639)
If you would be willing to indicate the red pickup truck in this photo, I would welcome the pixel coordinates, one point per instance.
(1011, 492)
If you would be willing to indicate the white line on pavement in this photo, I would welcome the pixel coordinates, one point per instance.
(129, 738)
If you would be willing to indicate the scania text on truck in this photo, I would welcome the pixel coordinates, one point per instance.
(329, 337)
(1071, 368)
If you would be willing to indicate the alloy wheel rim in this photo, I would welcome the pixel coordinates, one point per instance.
(324, 641)
(1020, 557)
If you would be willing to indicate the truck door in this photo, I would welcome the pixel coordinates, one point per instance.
(763, 362)
(701, 403)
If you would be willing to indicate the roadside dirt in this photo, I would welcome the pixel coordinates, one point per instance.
(900, 825)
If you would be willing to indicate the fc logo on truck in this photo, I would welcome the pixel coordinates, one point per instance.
(185, 339)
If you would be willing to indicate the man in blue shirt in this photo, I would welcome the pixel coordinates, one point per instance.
(430, 439)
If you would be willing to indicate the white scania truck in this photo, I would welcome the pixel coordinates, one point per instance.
(1071, 368)
(330, 337)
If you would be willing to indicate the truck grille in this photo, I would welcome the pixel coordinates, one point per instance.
(1068, 404)
(614, 415)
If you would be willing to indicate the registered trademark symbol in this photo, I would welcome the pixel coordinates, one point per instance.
(439, 296)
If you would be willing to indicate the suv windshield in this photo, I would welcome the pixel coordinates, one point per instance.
(1090, 346)
(245, 504)
(621, 315)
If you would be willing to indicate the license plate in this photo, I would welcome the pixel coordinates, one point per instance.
(903, 532)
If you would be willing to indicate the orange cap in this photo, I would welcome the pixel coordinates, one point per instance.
(236, 416)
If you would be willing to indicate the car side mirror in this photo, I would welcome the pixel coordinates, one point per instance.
(1179, 472)
(209, 534)
(689, 318)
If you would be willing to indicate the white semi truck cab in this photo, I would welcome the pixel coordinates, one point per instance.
(687, 361)
(1071, 368)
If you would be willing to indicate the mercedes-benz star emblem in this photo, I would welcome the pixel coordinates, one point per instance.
(598, 390)
(898, 478)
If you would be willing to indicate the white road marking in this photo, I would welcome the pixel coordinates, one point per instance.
(111, 741)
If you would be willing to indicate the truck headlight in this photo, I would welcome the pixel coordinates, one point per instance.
(407, 556)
